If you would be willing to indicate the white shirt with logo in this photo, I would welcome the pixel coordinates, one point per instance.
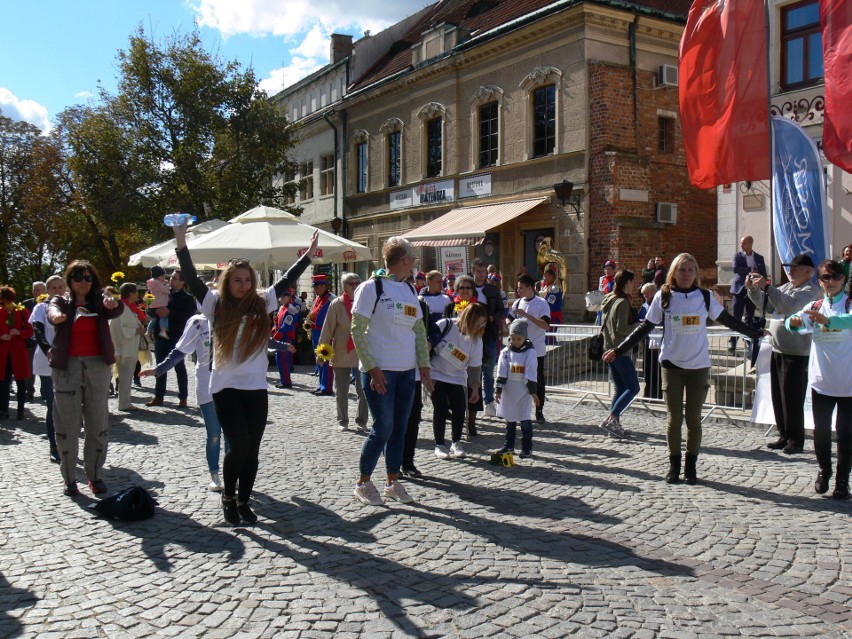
(390, 332)
(538, 308)
(455, 354)
(684, 327)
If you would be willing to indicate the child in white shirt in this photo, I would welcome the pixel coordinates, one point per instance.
(517, 375)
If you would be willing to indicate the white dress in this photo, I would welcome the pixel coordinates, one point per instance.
(517, 368)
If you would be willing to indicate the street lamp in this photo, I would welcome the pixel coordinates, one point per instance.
(564, 191)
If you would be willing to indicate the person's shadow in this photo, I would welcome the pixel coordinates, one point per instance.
(167, 527)
(391, 584)
(11, 599)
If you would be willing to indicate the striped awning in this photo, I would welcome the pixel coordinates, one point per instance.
(467, 226)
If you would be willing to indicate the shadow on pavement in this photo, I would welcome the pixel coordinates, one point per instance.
(10, 599)
(392, 585)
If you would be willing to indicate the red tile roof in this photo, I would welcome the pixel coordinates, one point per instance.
(480, 16)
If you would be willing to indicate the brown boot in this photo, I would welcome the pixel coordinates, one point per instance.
(471, 424)
(155, 401)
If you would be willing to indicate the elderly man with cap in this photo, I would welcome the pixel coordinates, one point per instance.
(789, 367)
(314, 322)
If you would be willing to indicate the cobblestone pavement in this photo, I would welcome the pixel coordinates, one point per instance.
(585, 539)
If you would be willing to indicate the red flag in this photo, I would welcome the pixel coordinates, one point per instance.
(835, 17)
(724, 104)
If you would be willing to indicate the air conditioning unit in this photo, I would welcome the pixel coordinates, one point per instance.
(667, 75)
(666, 212)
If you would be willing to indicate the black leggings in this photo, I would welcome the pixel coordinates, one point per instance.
(823, 407)
(448, 397)
(242, 414)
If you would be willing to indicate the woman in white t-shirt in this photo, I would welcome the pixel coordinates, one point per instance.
(830, 374)
(456, 366)
(390, 338)
(683, 307)
(240, 320)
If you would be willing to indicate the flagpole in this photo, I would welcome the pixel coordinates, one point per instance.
(772, 249)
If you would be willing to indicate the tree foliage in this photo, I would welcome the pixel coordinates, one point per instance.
(184, 131)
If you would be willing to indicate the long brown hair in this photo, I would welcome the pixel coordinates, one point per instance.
(232, 314)
(469, 319)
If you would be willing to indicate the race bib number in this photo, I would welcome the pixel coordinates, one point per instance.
(686, 324)
(405, 314)
(516, 372)
(454, 355)
(828, 337)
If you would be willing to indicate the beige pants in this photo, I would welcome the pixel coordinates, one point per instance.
(80, 393)
(124, 368)
(341, 395)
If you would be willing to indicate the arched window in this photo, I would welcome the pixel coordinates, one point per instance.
(542, 89)
(360, 149)
(486, 124)
(432, 156)
(392, 131)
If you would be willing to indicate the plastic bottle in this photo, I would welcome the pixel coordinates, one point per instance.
(179, 219)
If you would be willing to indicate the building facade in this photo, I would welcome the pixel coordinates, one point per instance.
(797, 91)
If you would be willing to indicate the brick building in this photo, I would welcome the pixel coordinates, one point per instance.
(468, 113)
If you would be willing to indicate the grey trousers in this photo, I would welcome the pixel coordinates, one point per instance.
(341, 396)
(695, 382)
(125, 367)
(80, 393)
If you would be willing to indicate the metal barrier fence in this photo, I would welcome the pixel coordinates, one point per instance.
(569, 371)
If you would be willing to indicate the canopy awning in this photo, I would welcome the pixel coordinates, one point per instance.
(467, 226)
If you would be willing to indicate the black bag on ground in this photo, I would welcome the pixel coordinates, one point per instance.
(130, 504)
(595, 348)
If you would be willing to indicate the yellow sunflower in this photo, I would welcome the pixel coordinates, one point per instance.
(324, 352)
(42, 298)
(461, 305)
(117, 277)
(149, 297)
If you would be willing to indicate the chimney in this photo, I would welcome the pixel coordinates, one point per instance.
(341, 47)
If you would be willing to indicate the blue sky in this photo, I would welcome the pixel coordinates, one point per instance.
(53, 53)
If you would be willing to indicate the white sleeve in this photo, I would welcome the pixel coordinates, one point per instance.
(365, 299)
(655, 310)
(715, 308)
(186, 342)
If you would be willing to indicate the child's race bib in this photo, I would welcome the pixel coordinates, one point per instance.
(516, 372)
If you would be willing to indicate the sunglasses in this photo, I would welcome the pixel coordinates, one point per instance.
(82, 278)
(353, 284)
(464, 288)
(828, 277)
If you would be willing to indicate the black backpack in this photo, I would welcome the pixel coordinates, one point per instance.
(131, 504)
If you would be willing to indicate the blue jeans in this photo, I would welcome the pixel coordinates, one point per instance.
(214, 435)
(47, 393)
(390, 414)
(526, 435)
(626, 384)
(489, 354)
(162, 348)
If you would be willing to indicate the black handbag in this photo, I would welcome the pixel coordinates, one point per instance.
(596, 348)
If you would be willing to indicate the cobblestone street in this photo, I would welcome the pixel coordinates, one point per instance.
(585, 539)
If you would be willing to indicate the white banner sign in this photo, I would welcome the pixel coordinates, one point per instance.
(476, 186)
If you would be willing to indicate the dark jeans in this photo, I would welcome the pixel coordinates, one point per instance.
(789, 378)
(162, 348)
(5, 385)
(47, 392)
(823, 406)
(742, 304)
(390, 421)
(489, 362)
(526, 435)
(539, 388)
(242, 414)
(652, 374)
(447, 397)
(413, 426)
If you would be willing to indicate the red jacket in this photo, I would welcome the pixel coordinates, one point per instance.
(17, 346)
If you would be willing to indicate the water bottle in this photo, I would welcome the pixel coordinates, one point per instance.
(179, 219)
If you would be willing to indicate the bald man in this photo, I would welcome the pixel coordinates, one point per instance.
(745, 261)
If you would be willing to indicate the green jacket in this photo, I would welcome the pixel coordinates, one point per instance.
(616, 320)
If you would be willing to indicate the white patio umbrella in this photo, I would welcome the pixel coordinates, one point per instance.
(163, 254)
(271, 239)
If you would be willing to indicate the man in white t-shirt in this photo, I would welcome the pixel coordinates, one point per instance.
(536, 311)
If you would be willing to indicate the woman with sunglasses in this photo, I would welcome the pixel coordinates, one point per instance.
(830, 325)
(240, 319)
(81, 358)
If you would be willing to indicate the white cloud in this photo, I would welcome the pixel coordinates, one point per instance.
(287, 76)
(24, 110)
(84, 94)
(293, 17)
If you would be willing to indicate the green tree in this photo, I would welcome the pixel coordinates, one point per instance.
(184, 132)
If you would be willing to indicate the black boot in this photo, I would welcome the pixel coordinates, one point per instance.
(841, 489)
(471, 425)
(673, 476)
(229, 510)
(821, 483)
(689, 473)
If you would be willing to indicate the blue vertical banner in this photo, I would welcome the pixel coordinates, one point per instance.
(798, 192)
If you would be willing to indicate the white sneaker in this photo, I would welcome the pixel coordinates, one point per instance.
(456, 450)
(368, 494)
(491, 410)
(215, 484)
(396, 491)
(343, 425)
(441, 452)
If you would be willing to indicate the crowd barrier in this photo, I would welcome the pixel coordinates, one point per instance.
(569, 372)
